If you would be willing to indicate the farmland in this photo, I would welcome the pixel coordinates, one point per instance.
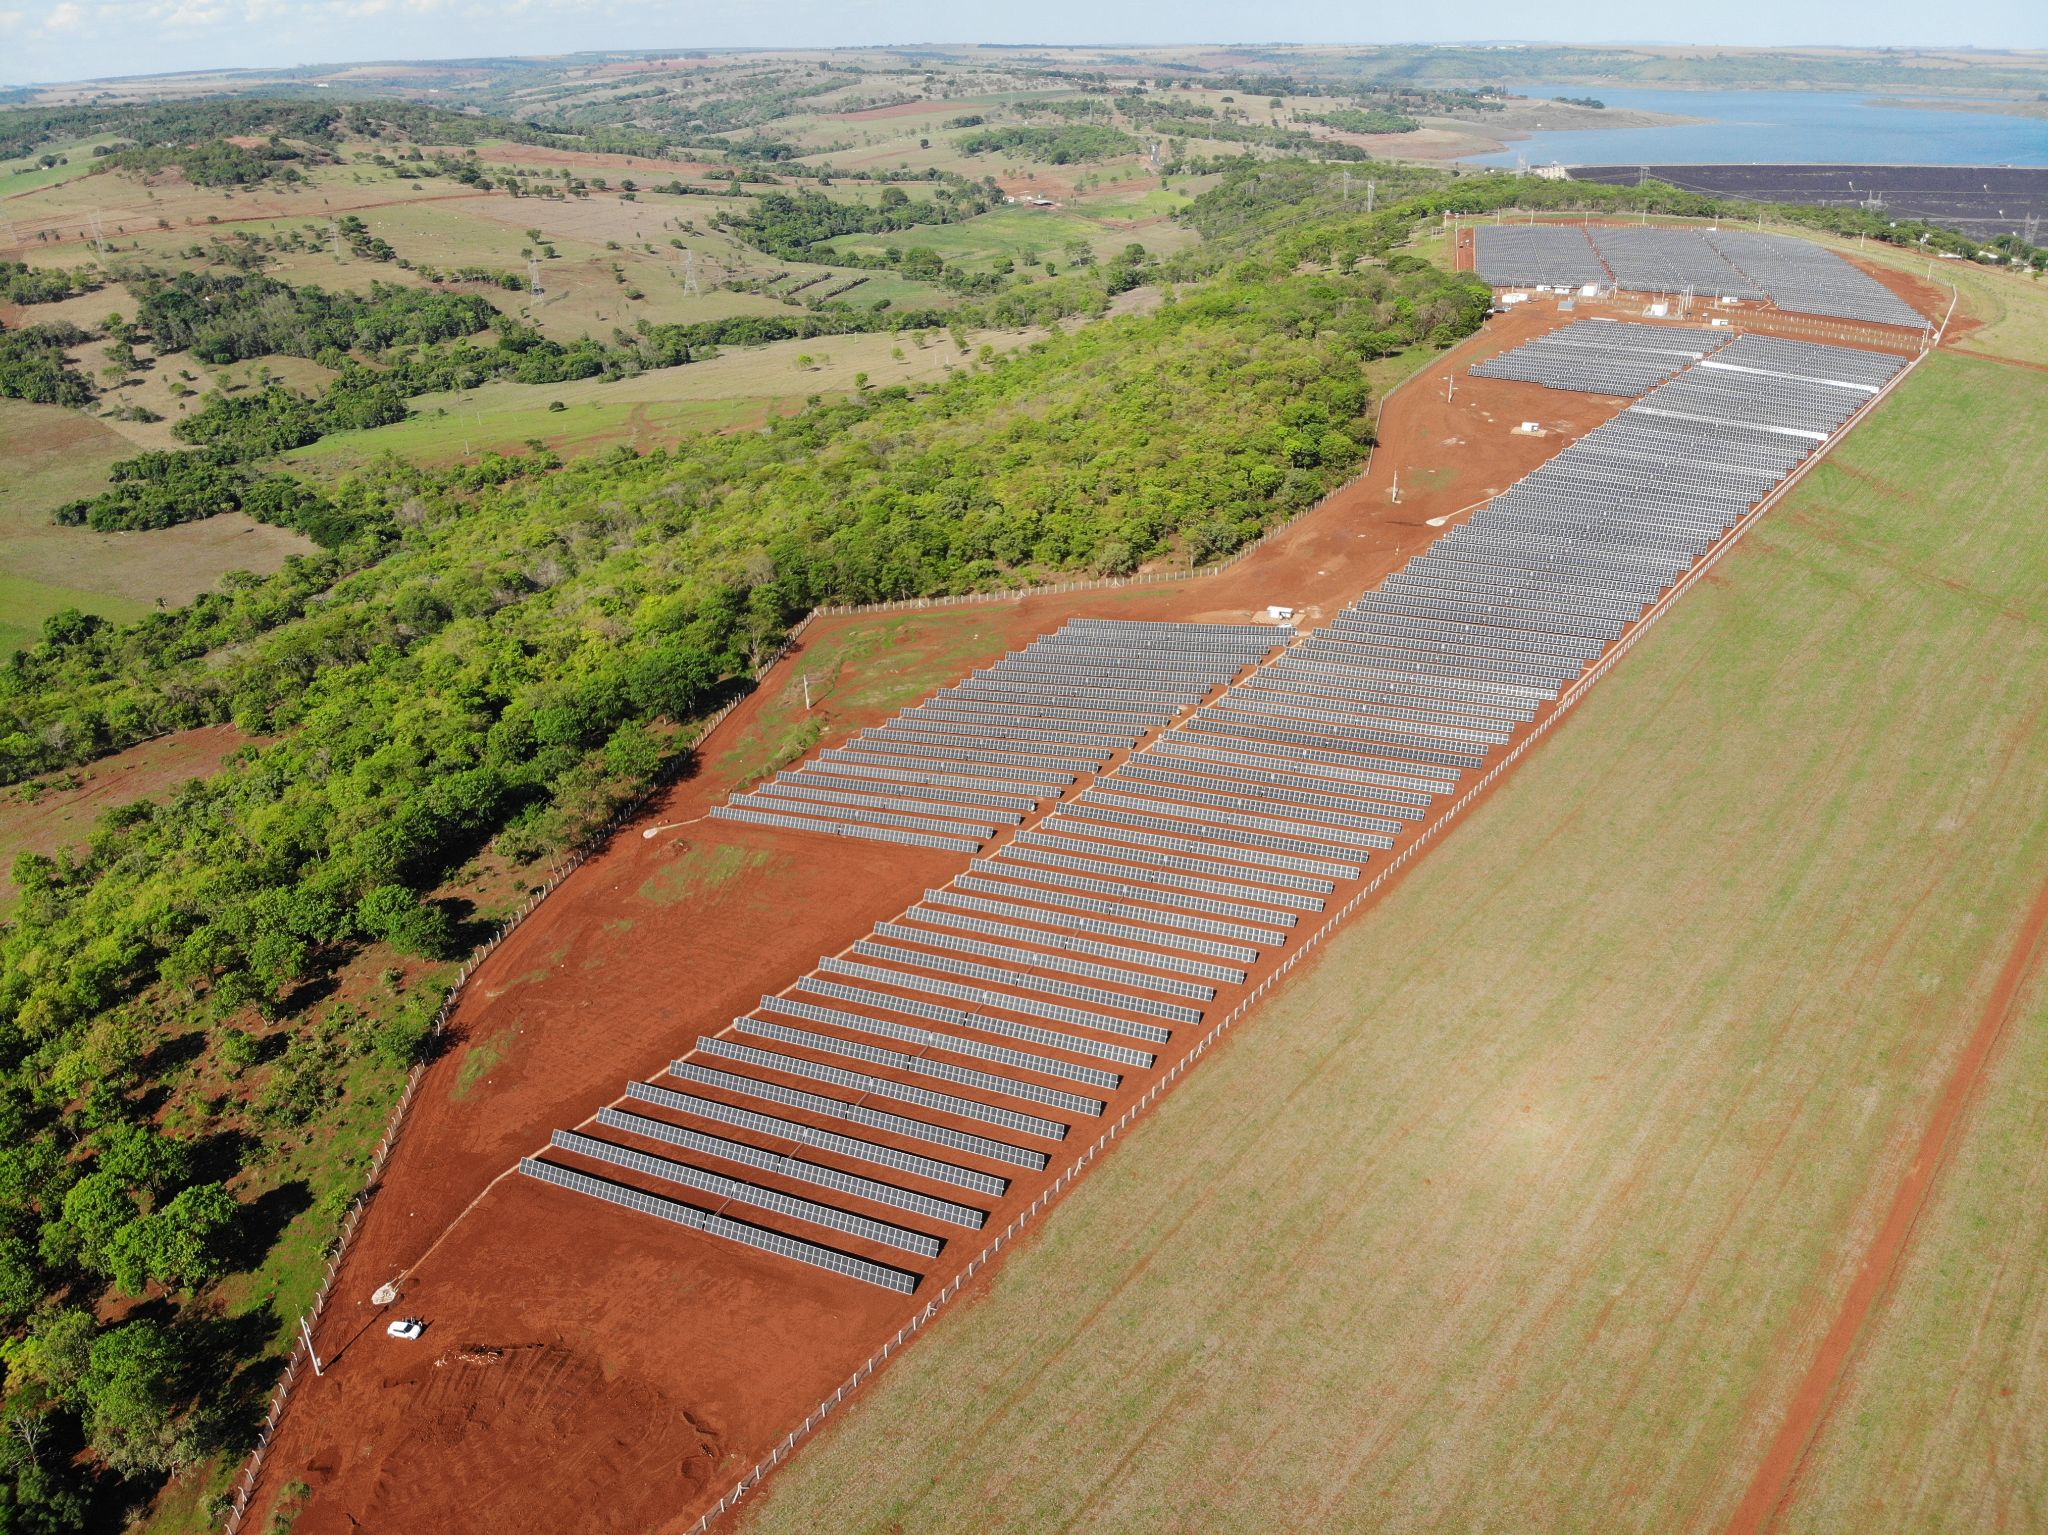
(1527, 1206)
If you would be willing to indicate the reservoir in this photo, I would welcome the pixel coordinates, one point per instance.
(1777, 127)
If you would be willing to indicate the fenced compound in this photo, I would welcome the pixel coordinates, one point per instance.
(1795, 275)
(1250, 805)
(1446, 817)
(1568, 576)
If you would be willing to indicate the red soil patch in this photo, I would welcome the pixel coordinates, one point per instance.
(1771, 1487)
(709, 1353)
(1042, 183)
(63, 818)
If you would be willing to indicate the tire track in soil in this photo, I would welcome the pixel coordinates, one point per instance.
(1776, 1479)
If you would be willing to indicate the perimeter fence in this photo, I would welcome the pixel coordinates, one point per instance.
(1435, 828)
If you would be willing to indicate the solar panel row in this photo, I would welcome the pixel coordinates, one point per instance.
(1054, 970)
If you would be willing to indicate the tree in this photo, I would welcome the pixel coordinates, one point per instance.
(21, 1280)
(179, 1246)
(394, 914)
(95, 1210)
(130, 1389)
(142, 1158)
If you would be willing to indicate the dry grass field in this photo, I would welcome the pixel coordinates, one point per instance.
(53, 455)
(1527, 1207)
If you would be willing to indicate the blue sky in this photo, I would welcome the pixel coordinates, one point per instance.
(52, 40)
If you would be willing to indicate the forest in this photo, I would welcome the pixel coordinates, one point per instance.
(1067, 145)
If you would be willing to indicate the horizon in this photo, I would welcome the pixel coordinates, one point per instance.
(69, 42)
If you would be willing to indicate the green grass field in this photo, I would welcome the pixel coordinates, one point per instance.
(740, 387)
(1524, 1207)
(1951, 1374)
(1013, 232)
(25, 603)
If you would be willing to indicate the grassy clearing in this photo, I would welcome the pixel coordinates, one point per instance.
(1522, 1208)
(700, 868)
(25, 603)
(53, 455)
(739, 388)
(25, 175)
(873, 667)
(1025, 235)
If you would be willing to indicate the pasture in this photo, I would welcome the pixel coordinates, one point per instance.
(1528, 1206)
(741, 387)
(54, 455)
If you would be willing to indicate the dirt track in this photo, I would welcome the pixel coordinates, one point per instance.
(707, 1353)
(1776, 1476)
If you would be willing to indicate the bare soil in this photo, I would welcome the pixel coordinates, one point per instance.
(61, 818)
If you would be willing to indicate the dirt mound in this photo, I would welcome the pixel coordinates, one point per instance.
(483, 1417)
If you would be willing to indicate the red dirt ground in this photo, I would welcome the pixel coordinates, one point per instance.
(61, 818)
(1770, 1489)
(660, 1364)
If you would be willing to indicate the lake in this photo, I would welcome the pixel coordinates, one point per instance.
(1747, 127)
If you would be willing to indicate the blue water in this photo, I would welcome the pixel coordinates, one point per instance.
(1750, 127)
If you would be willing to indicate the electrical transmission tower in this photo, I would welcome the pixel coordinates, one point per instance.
(690, 273)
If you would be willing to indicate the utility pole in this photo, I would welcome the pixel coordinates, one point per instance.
(1371, 189)
(306, 1332)
(807, 692)
(1347, 188)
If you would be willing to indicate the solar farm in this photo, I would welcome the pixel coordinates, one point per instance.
(1605, 356)
(1149, 816)
(1791, 274)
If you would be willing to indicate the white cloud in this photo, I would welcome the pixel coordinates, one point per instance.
(67, 16)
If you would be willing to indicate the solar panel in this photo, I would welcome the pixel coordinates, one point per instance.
(895, 1124)
(788, 1165)
(761, 1198)
(719, 1226)
(846, 1146)
(883, 1087)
